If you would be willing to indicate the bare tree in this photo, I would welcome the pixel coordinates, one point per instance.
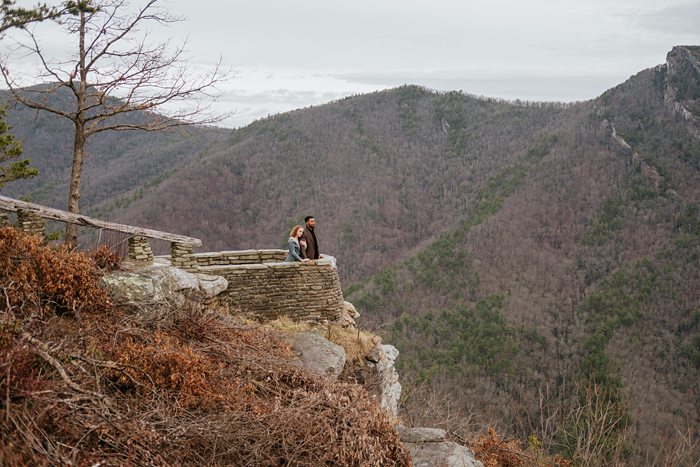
(115, 71)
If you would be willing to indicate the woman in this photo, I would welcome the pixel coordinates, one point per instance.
(293, 245)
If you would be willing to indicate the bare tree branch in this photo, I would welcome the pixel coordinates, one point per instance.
(115, 72)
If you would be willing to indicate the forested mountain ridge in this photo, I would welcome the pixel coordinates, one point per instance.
(520, 255)
(119, 164)
(371, 166)
(383, 173)
(576, 270)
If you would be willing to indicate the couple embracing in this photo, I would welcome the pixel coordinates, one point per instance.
(302, 243)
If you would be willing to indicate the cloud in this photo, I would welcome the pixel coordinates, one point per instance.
(257, 93)
(683, 19)
(288, 55)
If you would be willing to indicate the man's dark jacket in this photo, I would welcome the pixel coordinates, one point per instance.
(311, 243)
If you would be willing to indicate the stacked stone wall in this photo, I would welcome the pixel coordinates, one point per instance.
(192, 262)
(303, 291)
(4, 219)
(30, 222)
(140, 249)
(181, 256)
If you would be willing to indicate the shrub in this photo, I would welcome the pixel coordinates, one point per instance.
(21, 375)
(106, 259)
(34, 276)
(496, 451)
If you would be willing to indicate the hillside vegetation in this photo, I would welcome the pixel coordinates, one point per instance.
(573, 280)
(87, 382)
(536, 264)
(119, 164)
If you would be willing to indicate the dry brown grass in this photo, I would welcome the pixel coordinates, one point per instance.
(494, 450)
(200, 388)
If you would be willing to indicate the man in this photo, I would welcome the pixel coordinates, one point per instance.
(309, 236)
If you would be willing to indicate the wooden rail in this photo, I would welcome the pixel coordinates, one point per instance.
(9, 204)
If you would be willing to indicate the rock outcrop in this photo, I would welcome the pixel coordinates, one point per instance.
(382, 359)
(429, 448)
(682, 87)
(159, 283)
(348, 315)
(316, 353)
(146, 287)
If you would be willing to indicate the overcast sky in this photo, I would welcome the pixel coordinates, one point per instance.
(291, 54)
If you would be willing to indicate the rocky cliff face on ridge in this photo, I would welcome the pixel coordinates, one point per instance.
(682, 90)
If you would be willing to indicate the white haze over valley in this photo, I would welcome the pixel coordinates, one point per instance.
(287, 55)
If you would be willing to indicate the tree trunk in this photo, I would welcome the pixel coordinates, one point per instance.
(74, 189)
(78, 141)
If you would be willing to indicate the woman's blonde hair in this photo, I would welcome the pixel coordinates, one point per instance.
(294, 231)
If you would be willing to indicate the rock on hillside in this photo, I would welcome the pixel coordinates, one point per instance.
(682, 92)
(159, 284)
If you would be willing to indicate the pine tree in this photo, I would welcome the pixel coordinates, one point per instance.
(11, 149)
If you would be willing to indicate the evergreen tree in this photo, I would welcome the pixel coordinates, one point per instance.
(11, 149)
(15, 17)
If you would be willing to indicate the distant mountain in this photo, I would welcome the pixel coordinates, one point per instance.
(119, 164)
(522, 256)
(576, 266)
(383, 173)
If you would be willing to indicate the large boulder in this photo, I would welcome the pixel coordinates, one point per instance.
(159, 283)
(316, 353)
(211, 286)
(447, 453)
(128, 288)
(428, 448)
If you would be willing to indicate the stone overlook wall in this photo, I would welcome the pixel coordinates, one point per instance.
(192, 262)
(262, 286)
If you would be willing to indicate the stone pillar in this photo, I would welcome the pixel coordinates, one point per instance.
(4, 219)
(139, 249)
(30, 222)
(181, 257)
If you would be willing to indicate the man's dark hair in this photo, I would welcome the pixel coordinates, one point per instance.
(306, 219)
